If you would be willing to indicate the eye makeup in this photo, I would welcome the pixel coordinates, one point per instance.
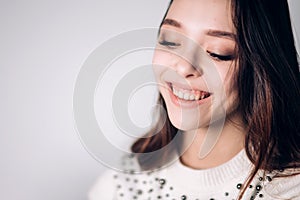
(173, 40)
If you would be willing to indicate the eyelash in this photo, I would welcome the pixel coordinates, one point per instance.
(168, 44)
(217, 57)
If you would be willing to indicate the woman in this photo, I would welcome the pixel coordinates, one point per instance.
(229, 79)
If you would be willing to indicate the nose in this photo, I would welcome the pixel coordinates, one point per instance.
(186, 68)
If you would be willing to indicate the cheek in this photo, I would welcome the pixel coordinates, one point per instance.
(232, 98)
(162, 58)
(160, 63)
(231, 88)
(227, 75)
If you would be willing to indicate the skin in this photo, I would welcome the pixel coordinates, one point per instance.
(196, 51)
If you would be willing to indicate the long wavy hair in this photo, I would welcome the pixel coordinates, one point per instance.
(268, 84)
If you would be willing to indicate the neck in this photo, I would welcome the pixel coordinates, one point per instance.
(224, 144)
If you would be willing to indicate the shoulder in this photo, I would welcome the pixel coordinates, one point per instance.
(123, 183)
(103, 187)
(286, 186)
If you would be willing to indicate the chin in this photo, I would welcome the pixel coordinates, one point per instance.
(187, 124)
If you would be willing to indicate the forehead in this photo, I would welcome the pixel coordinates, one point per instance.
(197, 15)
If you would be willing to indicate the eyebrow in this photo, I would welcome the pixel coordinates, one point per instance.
(221, 34)
(171, 22)
(210, 32)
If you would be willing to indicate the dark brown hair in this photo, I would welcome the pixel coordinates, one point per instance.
(268, 84)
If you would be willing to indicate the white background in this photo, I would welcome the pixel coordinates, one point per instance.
(42, 47)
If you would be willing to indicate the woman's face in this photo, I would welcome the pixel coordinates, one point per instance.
(194, 62)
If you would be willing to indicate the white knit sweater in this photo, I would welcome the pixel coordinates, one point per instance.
(178, 182)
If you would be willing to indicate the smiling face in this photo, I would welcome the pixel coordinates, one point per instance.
(194, 63)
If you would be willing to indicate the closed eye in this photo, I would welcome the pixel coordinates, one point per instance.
(219, 57)
(169, 44)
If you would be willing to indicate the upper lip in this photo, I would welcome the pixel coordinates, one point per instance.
(185, 87)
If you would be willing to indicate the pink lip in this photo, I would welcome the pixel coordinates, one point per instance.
(185, 103)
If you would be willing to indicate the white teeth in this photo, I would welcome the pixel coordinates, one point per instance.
(192, 97)
(180, 94)
(187, 95)
(175, 92)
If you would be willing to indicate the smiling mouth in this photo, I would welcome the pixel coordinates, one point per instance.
(189, 95)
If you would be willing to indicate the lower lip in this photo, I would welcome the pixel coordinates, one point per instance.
(185, 103)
